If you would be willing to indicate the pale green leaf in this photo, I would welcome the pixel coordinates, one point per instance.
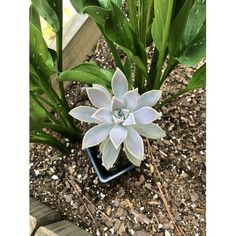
(47, 12)
(198, 80)
(40, 57)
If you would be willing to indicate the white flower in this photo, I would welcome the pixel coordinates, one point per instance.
(120, 118)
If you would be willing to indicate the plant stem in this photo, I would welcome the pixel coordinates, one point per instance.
(157, 82)
(59, 42)
(67, 132)
(139, 80)
(49, 115)
(59, 106)
(143, 21)
(170, 99)
(47, 102)
(114, 52)
(42, 137)
(133, 14)
(152, 70)
(172, 63)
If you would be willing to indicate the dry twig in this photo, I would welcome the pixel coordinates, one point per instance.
(78, 191)
(179, 230)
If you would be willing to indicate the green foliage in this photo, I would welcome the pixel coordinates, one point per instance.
(47, 12)
(176, 27)
(79, 5)
(99, 14)
(161, 23)
(37, 116)
(124, 36)
(34, 17)
(40, 57)
(88, 73)
(187, 36)
(198, 80)
(44, 101)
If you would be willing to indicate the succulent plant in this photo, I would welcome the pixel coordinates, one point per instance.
(120, 118)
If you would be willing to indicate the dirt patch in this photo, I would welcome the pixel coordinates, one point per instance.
(134, 203)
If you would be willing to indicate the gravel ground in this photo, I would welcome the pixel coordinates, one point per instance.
(165, 196)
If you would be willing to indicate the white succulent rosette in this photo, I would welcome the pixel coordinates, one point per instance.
(120, 118)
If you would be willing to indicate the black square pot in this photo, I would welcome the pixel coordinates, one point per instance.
(103, 174)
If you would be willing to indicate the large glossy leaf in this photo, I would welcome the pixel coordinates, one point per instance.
(34, 17)
(118, 29)
(161, 23)
(99, 14)
(34, 86)
(188, 33)
(34, 78)
(40, 57)
(195, 50)
(37, 116)
(198, 80)
(177, 6)
(93, 68)
(79, 5)
(88, 73)
(178, 27)
(107, 3)
(47, 12)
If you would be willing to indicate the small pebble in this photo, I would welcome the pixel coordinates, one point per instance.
(54, 177)
(167, 233)
(160, 226)
(132, 231)
(95, 181)
(155, 196)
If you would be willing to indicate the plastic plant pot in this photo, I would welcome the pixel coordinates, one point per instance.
(104, 175)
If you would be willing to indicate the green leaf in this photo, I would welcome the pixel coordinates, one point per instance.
(88, 73)
(47, 12)
(136, 59)
(161, 23)
(60, 129)
(37, 116)
(118, 30)
(34, 86)
(189, 33)
(107, 3)
(49, 140)
(99, 15)
(80, 76)
(79, 5)
(40, 57)
(195, 50)
(107, 75)
(34, 78)
(177, 6)
(93, 68)
(178, 27)
(128, 70)
(34, 17)
(198, 80)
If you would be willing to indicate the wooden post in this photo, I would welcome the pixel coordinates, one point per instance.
(40, 215)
